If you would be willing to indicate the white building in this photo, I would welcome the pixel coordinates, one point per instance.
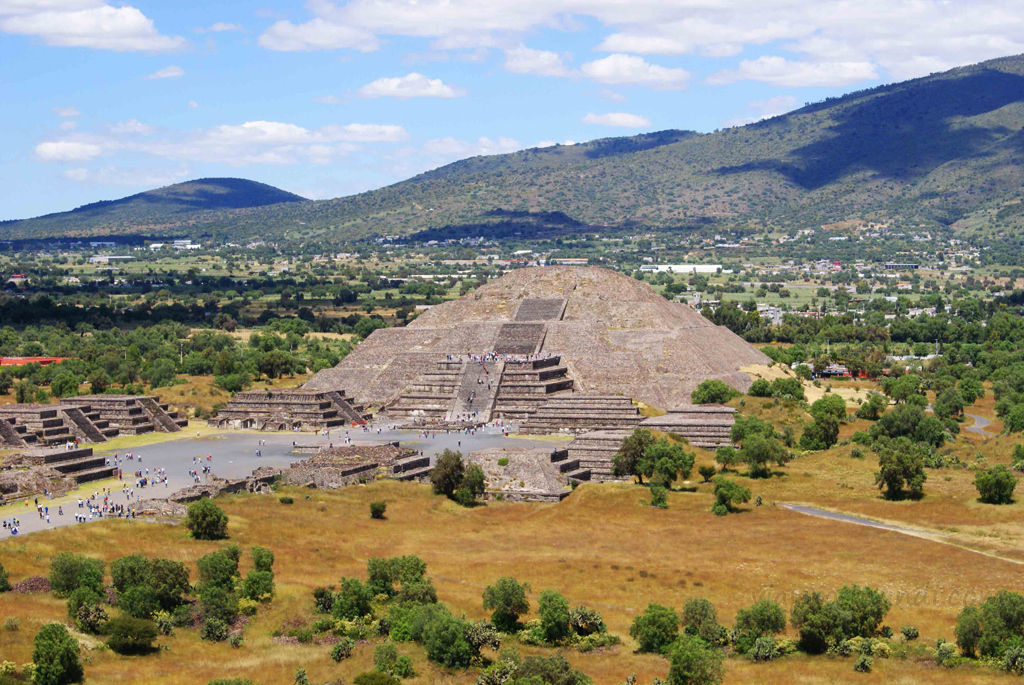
(682, 268)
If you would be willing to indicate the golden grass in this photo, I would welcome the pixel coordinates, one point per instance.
(602, 546)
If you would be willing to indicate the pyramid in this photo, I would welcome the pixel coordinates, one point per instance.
(612, 334)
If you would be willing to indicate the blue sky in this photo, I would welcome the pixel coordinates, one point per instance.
(330, 98)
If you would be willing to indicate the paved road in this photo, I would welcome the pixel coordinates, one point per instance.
(847, 518)
(234, 456)
(980, 423)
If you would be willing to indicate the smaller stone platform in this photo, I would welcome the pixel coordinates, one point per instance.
(130, 414)
(287, 410)
(703, 425)
(580, 414)
(339, 467)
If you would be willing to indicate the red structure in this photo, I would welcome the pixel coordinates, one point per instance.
(24, 361)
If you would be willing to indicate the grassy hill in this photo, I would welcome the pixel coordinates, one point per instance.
(160, 210)
(945, 149)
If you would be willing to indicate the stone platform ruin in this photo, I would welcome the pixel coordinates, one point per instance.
(287, 410)
(558, 349)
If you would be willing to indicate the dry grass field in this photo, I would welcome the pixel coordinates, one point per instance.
(602, 546)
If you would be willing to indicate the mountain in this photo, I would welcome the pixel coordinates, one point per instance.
(942, 150)
(163, 210)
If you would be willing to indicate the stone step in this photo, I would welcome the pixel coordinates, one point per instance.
(98, 473)
(414, 474)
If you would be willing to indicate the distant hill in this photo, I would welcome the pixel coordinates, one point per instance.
(155, 211)
(943, 150)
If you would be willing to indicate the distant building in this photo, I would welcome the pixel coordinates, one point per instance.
(901, 266)
(682, 268)
(24, 361)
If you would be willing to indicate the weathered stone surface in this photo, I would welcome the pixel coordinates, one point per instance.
(614, 335)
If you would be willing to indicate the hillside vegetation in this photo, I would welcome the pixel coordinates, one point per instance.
(937, 150)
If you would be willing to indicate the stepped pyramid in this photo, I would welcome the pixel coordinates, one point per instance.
(552, 332)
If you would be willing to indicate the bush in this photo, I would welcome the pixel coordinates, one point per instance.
(262, 558)
(585, 621)
(659, 497)
(384, 657)
(374, 678)
(707, 472)
(286, 500)
(760, 388)
(83, 596)
(655, 629)
(995, 485)
(352, 600)
(55, 655)
(503, 461)
(139, 601)
(765, 649)
(5, 583)
(218, 569)
(258, 586)
(856, 612)
(206, 521)
(377, 509)
(713, 391)
(403, 668)
(214, 630)
(444, 639)
(692, 662)
(130, 635)
(216, 602)
(130, 571)
(507, 600)
(700, 618)
(863, 664)
(763, 618)
(342, 649)
(69, 571)
(1013, 660)
(554, 616)
(170, 582)
(910, 633)
(728, 494)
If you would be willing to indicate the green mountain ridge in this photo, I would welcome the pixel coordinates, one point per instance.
(942, 150)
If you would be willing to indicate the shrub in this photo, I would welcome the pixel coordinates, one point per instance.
(69, 571)
(765, 649)
(236, 640)
(377, 509)
(384, 657)
(585, 621)
(83, 596)
(707, 472)
(863, 664)
(659, 497)
(262, 558)
(352, 600)
(11, 624)
(1013, 660)
(403, 667)
(206, 521)
(285, 500)
(507, 600)
(258, 585)
(763, 618)
(503, 461)
(995, 485)
(130, 571)
(218, 569)
(55, 655)
(444, 639)
(546, 669)
(713, 391)
(170, 582)
(760, 388)
(139, 601)
(909, 633)
(130, 635)
(728, 493)
(655, 629)
(5, 583)
(374, 678)
(856, 612)
(692, 662)
(992, 627)
(214, 630)
(700, 618)
(554, 616)
(342, 649)
(216, 602)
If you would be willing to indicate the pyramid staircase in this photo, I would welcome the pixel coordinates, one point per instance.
(25, 425)
(129, 414)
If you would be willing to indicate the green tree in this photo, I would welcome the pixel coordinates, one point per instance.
(69, 571)
(664, 462)
(759, 451)
(5, 583)
(554, 616)
(728, 494)
(707, 472)
(713, 391)
(55, 656)
(693, 662)
(131, 635)
(949, 403)
(763, 618)
(821, 434)
(995, 485)
(206, 521)
(64, 384)
(655, 629)
(506, 599)
(627, 461)
(699, 618)
(900, 469)
(446, 477)
(873, 408)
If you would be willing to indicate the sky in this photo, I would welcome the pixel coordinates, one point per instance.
(329, 98)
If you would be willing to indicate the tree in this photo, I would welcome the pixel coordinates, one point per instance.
(821, 434)
(900, 469)
(760, 388)
(700, 618)
(627, 461)
(64, 384)
(728, 494)
(262, 558)
(707, 472)
(993, 627)
(130, 635)
(25, 392)
(873, 408)
(665, 461)
(507, 600)
(55, 656)
(129, 571)
(693, 662)
(830, 405)
(447, 473)
(995, 485)
(969, 630)
(656, 628)
(352, 600)
(258, 585)
(69, 571)
(170, 582)
(554, 616)
(764, 617)
(206, 521)
(758, 451)
(949, 403)
(5, 583)
(713, 391)
(727, 456)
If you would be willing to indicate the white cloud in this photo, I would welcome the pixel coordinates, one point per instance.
(192, 104)
(633, 70)
(409, 86)
(524, 60)
(779, 71)
(86, 23)
(131, 126)
(67, 151)
(66, 111)
(222, 26)
(329, 99)
(764, 109)
(611, 96)
(621, 119)
(172, 71)
(316, 35)
(901, 38)
(69, 125)
(133, 177)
